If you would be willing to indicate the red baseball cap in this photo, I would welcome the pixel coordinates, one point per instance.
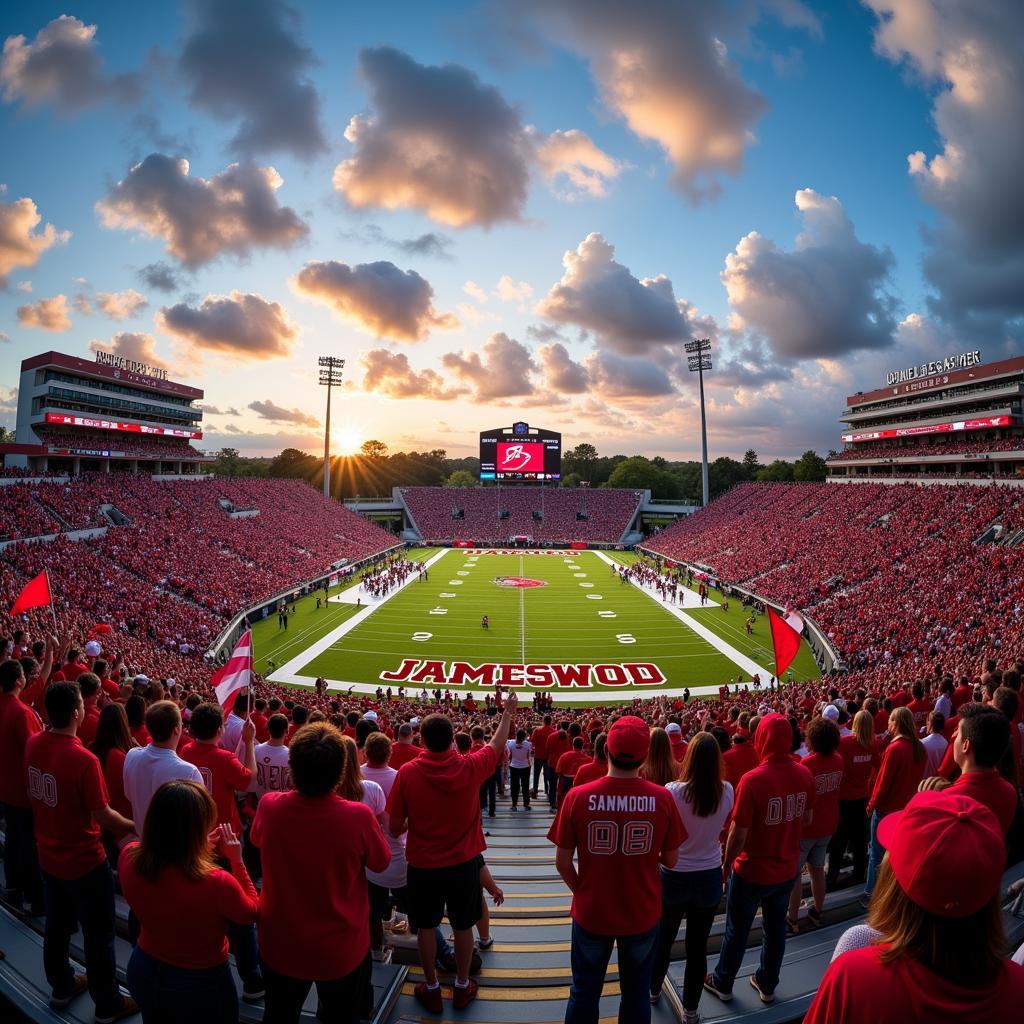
(947, 852)
(629, 738)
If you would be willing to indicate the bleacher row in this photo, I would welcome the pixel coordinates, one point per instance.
(170, 578)
(892, 574)
(171, 449)
(527, 972)
(608, 513)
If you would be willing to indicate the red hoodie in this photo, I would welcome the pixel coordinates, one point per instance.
(770, 803)
(739, 759)
(440, 795)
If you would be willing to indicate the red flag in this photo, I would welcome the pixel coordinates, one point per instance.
(785, 639)
(236, 674)
(36, 593)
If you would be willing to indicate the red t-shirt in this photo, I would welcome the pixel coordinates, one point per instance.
(69, 672)
(679, 750)
(17, 723)
(859, 989)
(919, 708)
(223, 775)
(827, 770)
(619, 829)
(558, 744)
(262, 729)
(571, 762)
(65, 785)
(314, 915)
(87, 727)
(858, 767)
(771, 800)
(739, 760)
(440, 796)
(898, 777)
(962, 695)
(110, 687)
(988, 787)
(402, 753)
(184, 921)
(113, 776)
(539, 738)
(591, 772)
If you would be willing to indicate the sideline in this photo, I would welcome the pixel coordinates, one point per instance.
(749, 666)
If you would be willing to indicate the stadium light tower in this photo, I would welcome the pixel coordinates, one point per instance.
(331, 368)
(699, 360)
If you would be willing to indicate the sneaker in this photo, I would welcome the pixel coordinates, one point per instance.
(428, 998)
(763, 994)
(486, 943)
(253, 993)
(383, 955)
(712, 987)
(128, 1008)
(462, 997)
(78, 986)
(691, 1016)
(814, 917)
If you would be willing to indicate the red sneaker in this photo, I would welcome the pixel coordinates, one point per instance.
(462, 997)
(428, 998)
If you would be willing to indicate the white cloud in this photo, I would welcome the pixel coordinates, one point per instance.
(573, 156)
(48, 314)
(20, 244)
(121, 305)
(240, 325)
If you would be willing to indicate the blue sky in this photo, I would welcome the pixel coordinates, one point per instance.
(652, 140)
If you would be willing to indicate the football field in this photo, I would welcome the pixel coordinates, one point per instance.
(559, 621)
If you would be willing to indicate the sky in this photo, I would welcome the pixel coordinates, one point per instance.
(497, 211)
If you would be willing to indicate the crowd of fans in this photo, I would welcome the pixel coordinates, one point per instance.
(206, 821)
(136, 446)
(561, 511)
(915, 449)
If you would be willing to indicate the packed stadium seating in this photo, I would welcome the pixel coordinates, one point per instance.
(921, 449)
(609, 513)
(892, 574)
(181, 566)
(170, 449)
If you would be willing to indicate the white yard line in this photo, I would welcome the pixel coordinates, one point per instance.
(289, 672)
(749, 666)
(522, 617)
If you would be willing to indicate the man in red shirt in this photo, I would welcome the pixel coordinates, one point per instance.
(314, 913)
(69, 807)
(621, 828)
(224, 775)
(89, 685)
(559, 743)
(71, 669)
(404, 750)
(740, 758)
(18, 722)
(773, 802)
(980, 743)
(435, 798)
(679, 745)
(539, 739)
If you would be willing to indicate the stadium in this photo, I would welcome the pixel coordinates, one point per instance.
(489, 721)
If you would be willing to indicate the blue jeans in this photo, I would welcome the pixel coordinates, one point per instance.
(87, 901)
(21, 864)
(876, 851)
(590, 956)
(741, 905)
(242, 940)
(167, 994)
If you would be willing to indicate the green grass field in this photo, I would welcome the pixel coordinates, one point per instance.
(582, 614)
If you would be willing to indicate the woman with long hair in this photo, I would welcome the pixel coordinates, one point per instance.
(353, 786)
(859, 752)
(179, 969)
(660, 767)
(112, 742)
(520, 750)
(693, 888)
(934, 946)
(901, 771)
(135, 709)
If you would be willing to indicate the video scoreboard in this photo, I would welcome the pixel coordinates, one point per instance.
(520, 452)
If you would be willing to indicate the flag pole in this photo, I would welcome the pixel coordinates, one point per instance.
(53, 607)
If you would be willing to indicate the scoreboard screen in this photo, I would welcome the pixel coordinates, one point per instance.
(520, 452)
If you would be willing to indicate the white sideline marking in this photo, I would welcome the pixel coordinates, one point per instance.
(749, 666)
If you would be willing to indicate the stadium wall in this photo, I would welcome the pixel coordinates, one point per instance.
(825, 654)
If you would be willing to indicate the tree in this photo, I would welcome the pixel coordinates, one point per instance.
(374, 450)
(750, 463)
(778, 472)
(227, 462)
(461, 478)
(581, 460)
(809, 468)
(638, 473)
(724, 473)
(295, 464)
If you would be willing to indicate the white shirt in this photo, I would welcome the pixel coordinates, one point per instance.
(701, 850)
(146, 769)
(944, 705)
(272, 774)
(935, 745)
(233, 726)
(519, 753)
(394, 876)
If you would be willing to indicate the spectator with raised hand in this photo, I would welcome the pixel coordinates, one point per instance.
(316, 848)
(934, 946)
(179, 968)
(621, 829)
(70, 805)
(692, 888)
(773, 803)
(901, 770)
(436, 799)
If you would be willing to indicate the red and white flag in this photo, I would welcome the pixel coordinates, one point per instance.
(236, 674)
(786, 634)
